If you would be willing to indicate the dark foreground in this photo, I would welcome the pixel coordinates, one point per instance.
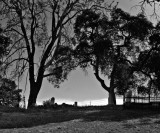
(103, 119)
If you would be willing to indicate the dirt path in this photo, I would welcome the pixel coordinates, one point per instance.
(145, 125)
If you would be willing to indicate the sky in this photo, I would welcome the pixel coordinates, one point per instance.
(81, 87)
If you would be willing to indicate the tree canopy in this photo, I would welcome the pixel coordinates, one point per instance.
(110, 44)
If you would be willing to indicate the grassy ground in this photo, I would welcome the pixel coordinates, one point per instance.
(20, 118)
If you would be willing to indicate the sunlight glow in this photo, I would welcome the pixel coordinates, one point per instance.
(99, 102)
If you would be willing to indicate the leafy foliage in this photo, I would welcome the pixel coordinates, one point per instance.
(64, 64)
(143, 90)
(9, 95)
(135, 26)
(149, 58)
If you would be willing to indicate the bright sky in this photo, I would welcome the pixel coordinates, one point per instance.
(84, 89)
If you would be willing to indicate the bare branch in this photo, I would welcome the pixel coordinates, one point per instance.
(18, 59)
(14, 52)
(14, 45)
(71, 17)
(19, 12)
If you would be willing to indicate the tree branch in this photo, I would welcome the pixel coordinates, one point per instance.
(18, 59)
(102, 82)
(14, 53)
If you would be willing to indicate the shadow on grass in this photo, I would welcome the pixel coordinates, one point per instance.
(119, 114)
(29, 118)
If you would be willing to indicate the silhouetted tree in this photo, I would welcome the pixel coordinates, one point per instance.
(38, 28)
(110, 45)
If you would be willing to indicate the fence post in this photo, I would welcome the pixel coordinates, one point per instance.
(124, 99)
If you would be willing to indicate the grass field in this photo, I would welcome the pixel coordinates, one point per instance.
(19, 118)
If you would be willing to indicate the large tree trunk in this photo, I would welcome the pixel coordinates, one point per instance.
(35, 86)
(34, 90)
(111, 98)
(110, 90)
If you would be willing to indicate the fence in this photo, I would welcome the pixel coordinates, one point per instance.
(142, 102)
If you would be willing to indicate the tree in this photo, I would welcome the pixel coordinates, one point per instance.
(110, 45)
(38, 28)
(9, 95)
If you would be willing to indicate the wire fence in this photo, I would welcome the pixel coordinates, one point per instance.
(142, 102)
(142, 99)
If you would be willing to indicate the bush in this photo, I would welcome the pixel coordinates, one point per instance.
(49, 103)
